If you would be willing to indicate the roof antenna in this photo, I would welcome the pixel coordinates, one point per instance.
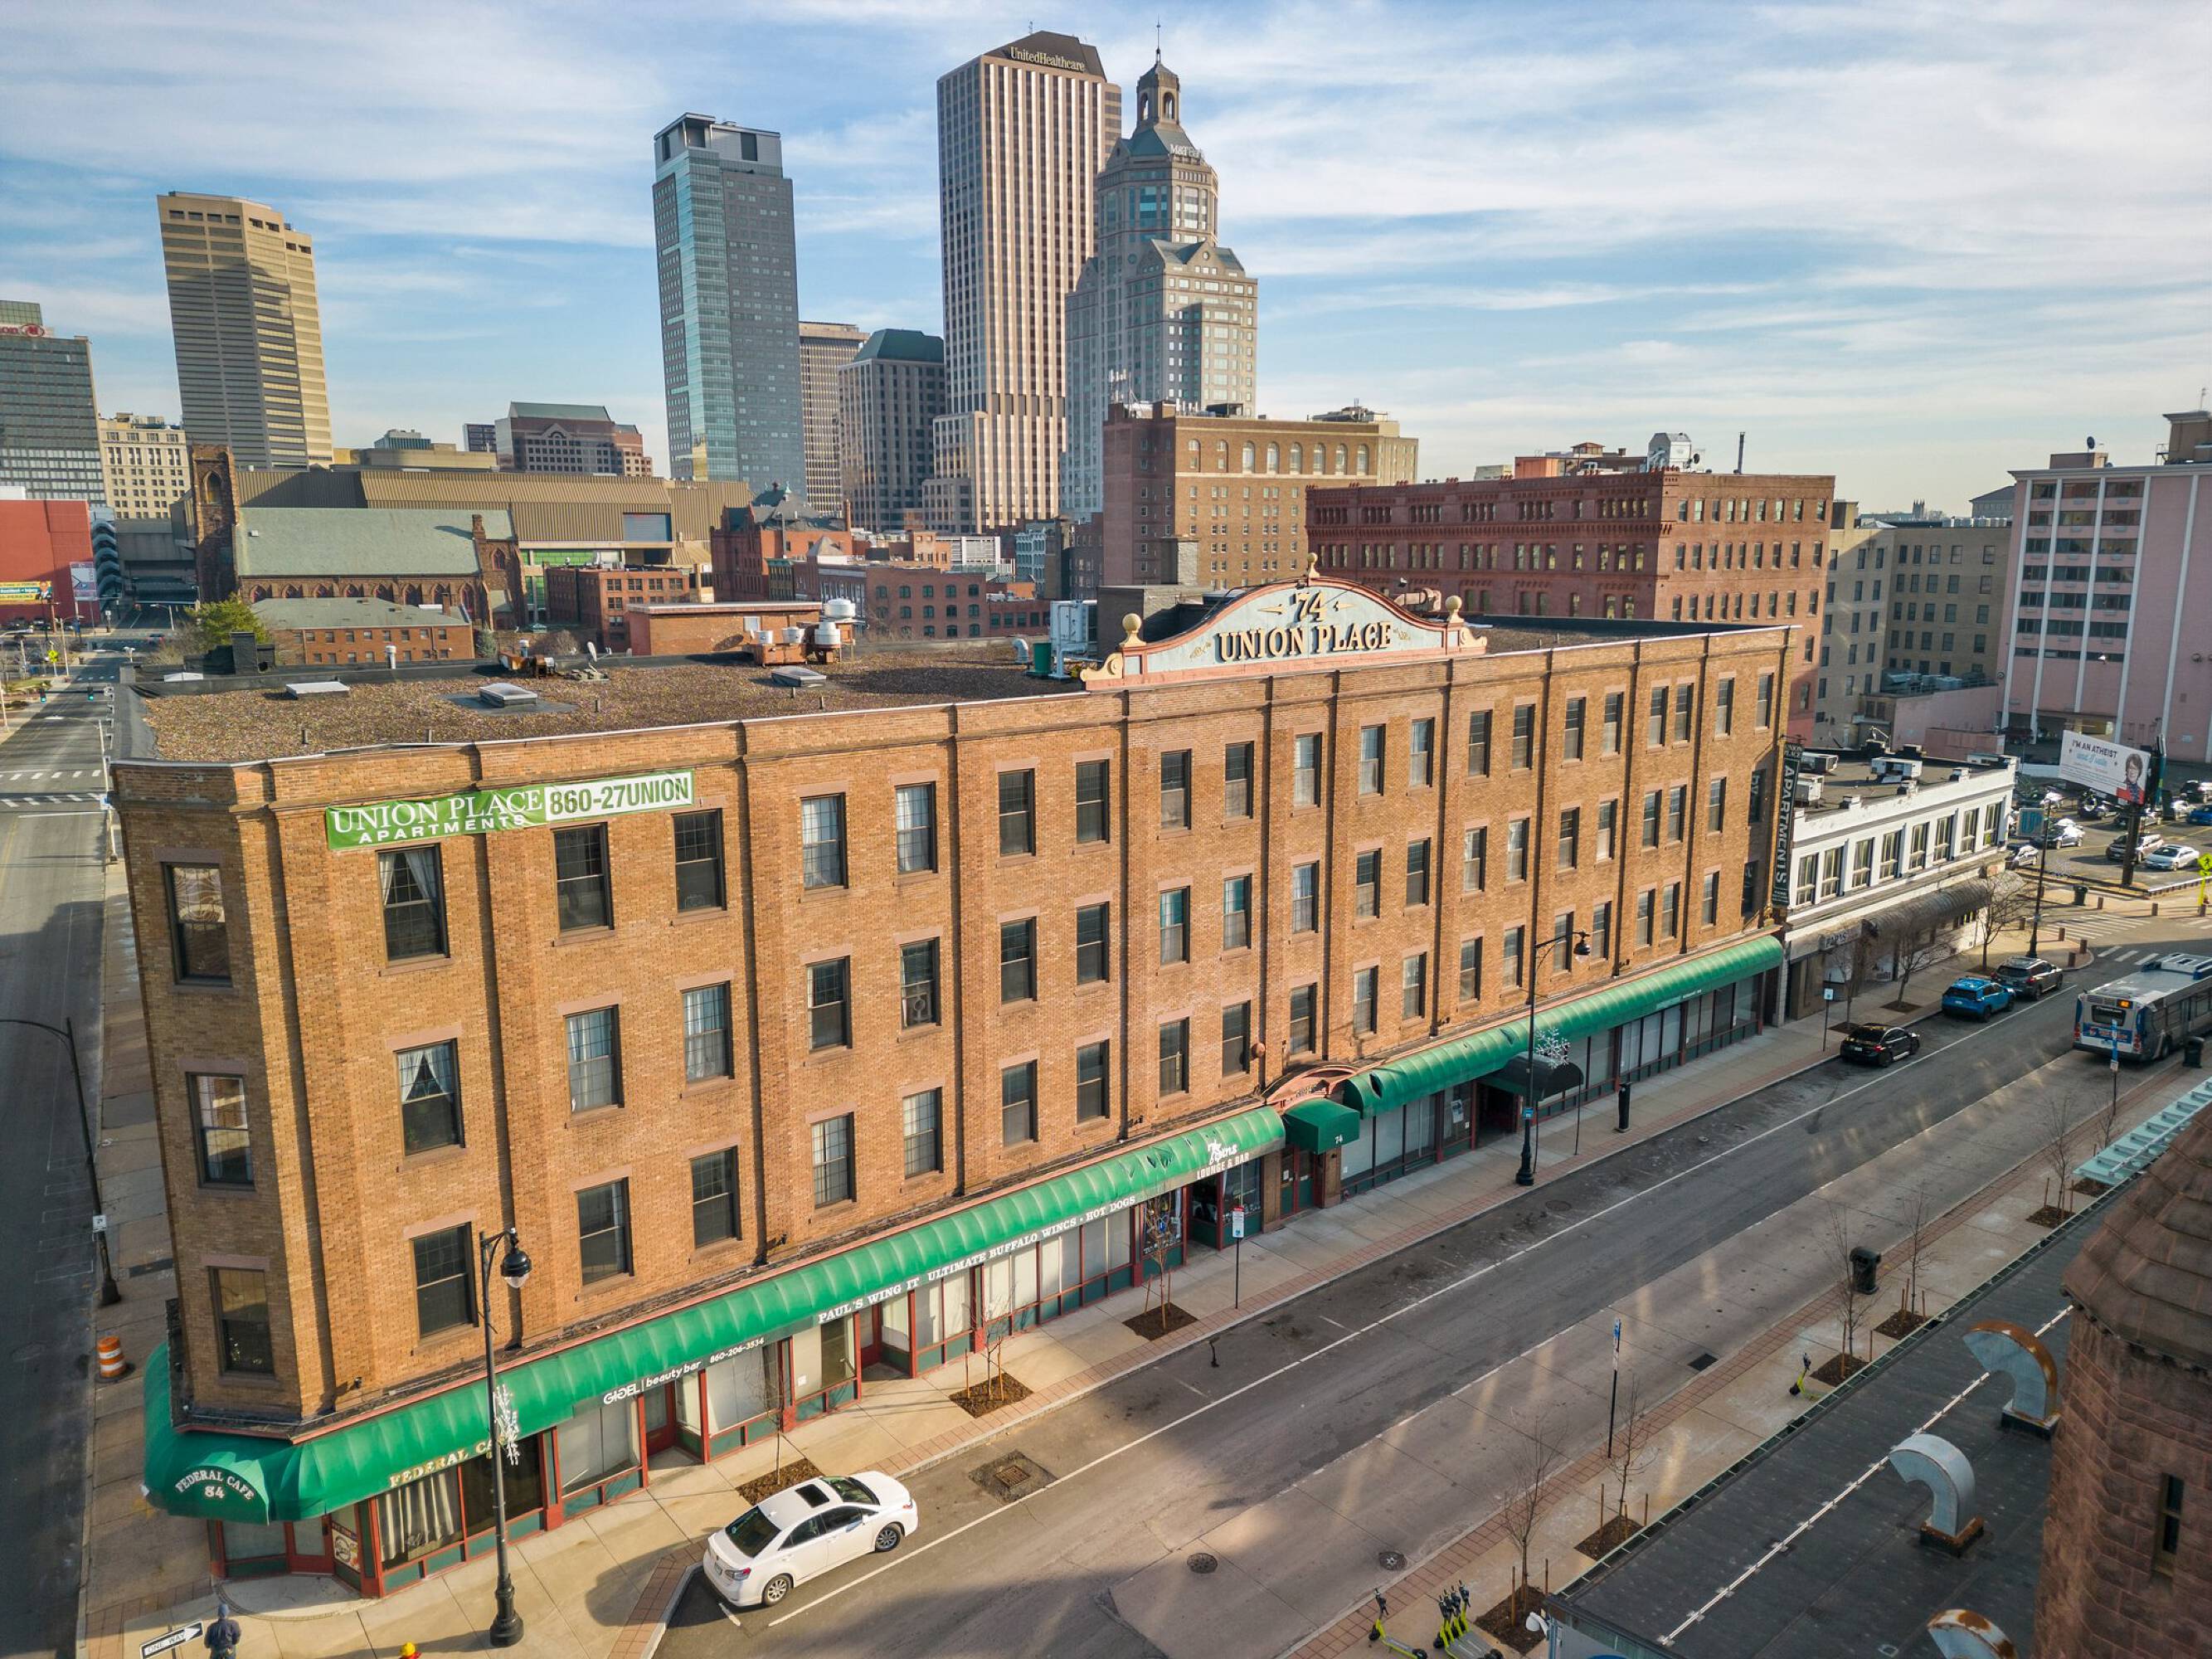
(1155, 40)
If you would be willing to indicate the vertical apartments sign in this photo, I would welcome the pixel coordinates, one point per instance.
(1785, 813)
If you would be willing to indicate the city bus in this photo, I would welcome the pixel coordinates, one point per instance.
(2165, 1001)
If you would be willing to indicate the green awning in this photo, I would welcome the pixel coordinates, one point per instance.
(245, 1477)
(1389, 1087)
(1320, 1126)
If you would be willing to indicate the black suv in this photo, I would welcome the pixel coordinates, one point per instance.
(2029, 977)
(1879, 1045)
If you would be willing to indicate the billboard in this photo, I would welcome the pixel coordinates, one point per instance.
(2111, 769)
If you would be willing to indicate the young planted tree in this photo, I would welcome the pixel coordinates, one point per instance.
(1631, 1448)
(1908, 1317)
(1912, 956)
(1837, 1239)
(2012, 900)
(1160, 1238)
(1534, 1470)
(2060, 1136)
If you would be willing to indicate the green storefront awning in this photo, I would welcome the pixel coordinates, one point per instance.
(1320, 1126)
(247, 1478)
(1389, 1087)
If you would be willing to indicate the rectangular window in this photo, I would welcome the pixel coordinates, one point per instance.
(822, 842)
(444, 1296)
(1018, 1113)
(1367, 883)
(1237, 913)
(918, 984)
(698, 861)
(1757, 793)
(241, 1322)
(1421, 755)
(1708, 906)
(1717, 804)
(413, 886)
(1470, 970)
(1305, 769)
(595, 1059)
(603, 1230)
(1092, 1090)
(1725, 707)
(1765, 716)
(1571, 744)
(1678, 810)
(1651, 818)
(1607, 812)
(1571, 837)
(219, 1124)
(1175, 789)
(829, 1004)
(580, 878)
(1602, 931)
(1175, 1057)
(713, 1198)
(1302, 1020)
(921, 1119)
(1516, 849)
(1017, 814)
(1478, 744)
(1237, 781)
(1684, 696)
(1609, 733)
(1370, 760)
(1305, 898)
(1174, 925)
(1670, 909)
(1018, 961)
(1509, 957)
(1474, 860)
(1091, 780)
(833, 1161)
(1092, 966)
(1362, 1000)
(429, 1097)
(1236, 1039)
(1524, 736)
(1417, 873)
(2172, 1491)
(1657, 733)
(914, 807)
(198, 930)
(1413, 987)
(1563, 942)
(1893, 846)
(1644, 902)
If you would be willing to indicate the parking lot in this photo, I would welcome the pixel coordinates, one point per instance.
(2087, 862)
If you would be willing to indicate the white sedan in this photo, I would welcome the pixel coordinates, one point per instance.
(805, 1531)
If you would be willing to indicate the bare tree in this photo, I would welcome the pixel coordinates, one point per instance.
(1913, 955)
(2011, 901)
(1534, 1470)
(1839, 1237)
(2060, 1134)
(1631, 1449)
(1917, 1222)
(1159, 1237)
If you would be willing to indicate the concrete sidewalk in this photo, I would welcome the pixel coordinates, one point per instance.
(599, 1587)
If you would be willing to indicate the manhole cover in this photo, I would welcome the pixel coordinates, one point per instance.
(1557, 1206)
(1010, 1476)
(1390, 1561)
(1202, 1563)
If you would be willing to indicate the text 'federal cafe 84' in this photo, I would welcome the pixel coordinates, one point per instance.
(805, 1040)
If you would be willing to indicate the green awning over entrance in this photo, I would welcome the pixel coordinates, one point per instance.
(1389, 1087)
(1320, 1126)
(247, 1478)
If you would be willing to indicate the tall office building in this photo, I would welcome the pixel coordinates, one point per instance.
(1163, 314)
(888, 399)
(572, 438)
(49, 422)
(729, 303)
(824, 349)
(248, 330)
(1021, 132)
(147, 466)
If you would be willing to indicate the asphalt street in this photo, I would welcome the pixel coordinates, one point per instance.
(49, 941)
(1142, 1468)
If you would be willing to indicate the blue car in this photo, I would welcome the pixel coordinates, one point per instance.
(1977, 997)
(2200, 814)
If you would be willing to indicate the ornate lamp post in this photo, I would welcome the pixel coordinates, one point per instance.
(1526, 1175)
(514, 1268)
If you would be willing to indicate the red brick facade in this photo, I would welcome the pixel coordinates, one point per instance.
(596, 602)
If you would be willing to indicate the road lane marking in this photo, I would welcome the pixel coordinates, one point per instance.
(1457, 1285)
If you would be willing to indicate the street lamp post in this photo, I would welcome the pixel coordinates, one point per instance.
(1526, 1175)
(109, 1296)
(514, 1268)
(2042, 874)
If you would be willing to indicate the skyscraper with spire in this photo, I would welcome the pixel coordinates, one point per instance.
(1021, 134)
(1162, 313)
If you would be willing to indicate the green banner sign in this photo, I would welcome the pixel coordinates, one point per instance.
(525, 806)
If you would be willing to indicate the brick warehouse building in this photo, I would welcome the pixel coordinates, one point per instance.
(1667, 543)
(1248, 917)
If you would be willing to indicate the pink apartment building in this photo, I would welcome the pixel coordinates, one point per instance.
(2109, 626)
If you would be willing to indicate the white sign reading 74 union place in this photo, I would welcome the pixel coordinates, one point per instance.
(1313, 624)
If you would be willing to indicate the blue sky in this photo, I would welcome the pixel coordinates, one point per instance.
(1911, 245)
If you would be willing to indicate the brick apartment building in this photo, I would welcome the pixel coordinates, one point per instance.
(1555, 541)
(1234, 484)
(39, 542)
(594, 600)
(775, 526)
(921, 602)
(344, 633)
(1250, 917)
(707, 629)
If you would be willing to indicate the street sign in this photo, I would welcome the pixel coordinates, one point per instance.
(99, 1223)
(1827, 993)
(1237, 1222)
(175, 1638)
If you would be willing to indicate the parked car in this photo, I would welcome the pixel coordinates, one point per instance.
(2063, 832)
(2093, 808)
(2026, 855)
(2117, 851)
(805, 1531)
(1976, 998)
(1879, 1045)
(2169, 855)
(2200, 814)
(2029, 977)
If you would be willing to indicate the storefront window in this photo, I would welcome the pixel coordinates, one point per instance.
(245, 1542)
(742, 1388)
(421, 1517)
(941, 1311)
(597, 1443)
(525, 1478)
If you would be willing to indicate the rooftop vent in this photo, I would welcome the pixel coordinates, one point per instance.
(797, 678)
(315, 689)
(504, 693)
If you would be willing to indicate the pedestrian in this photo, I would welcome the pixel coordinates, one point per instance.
(221, 1637)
